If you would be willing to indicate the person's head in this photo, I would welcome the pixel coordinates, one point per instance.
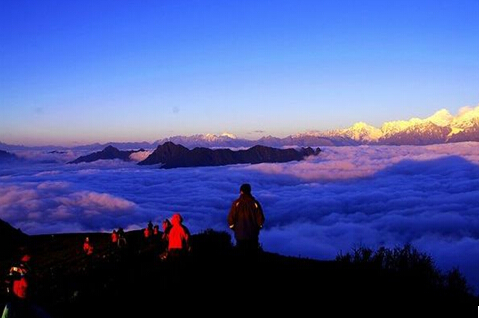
(176, 219)
(245, 188)
(87, 239)
(26, 258)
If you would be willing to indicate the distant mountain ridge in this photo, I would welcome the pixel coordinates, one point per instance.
(170, 155)
(6, 156)
(441, 127)
(109, 153)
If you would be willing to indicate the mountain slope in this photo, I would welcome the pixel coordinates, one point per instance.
(114, 281)
(10, 239)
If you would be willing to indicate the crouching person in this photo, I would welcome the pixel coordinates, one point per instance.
(20, 304)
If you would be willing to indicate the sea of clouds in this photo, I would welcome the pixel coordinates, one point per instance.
(344, 198)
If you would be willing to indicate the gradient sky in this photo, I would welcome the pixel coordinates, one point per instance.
(76, 72)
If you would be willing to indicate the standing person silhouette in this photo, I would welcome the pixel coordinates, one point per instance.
(121, 237)
(246, 219)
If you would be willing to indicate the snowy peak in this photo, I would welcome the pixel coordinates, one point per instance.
(441, 118)
(467, 117)
(362, 132)
(228, 135)
(393, 127)
(213, 137)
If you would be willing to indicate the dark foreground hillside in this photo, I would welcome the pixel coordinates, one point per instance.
(214, 280)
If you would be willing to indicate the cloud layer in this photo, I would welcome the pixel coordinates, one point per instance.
(345, 197)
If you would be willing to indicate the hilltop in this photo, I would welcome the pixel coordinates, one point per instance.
(215, 279)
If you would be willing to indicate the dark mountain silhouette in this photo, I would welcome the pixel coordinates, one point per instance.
(57, 152)
(108, 153)
(10, 239)
(114, 281)
(7, 156)
(170, 155)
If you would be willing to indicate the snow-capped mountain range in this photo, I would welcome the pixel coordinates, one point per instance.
(441, 127)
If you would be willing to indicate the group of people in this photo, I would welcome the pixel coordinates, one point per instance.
(245, 218)
(175, 240)
(118, 237)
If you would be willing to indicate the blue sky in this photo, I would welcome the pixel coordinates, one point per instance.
(76, 72)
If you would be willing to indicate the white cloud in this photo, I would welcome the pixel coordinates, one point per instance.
(140, 155)
(96, 201)
(345, 197)
(52, 185)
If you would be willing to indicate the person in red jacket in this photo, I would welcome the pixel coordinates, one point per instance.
(114, 237)
(147, 233)
(178, 237)
(19, 285)
(246, 219)
(87, 247)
